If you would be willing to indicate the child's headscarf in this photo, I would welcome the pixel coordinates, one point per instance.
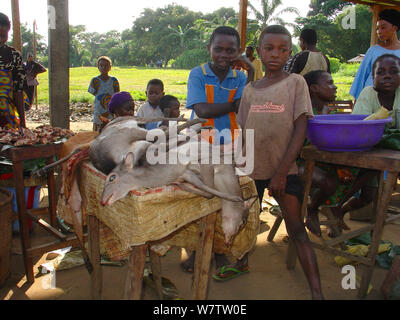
(118, 99)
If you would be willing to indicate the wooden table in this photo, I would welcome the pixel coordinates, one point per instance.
(134, 279)
(16, 155)
(375, 159)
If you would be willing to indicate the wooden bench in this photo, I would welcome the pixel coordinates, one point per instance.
(342, 106)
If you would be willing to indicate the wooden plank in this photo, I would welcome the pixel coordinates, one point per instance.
(338, 252)
(16, 24)
(155, 262)
(96, 277)
(59, 64)
(204, 244)
(376, 159)
(242, 25)
(49, 228)
(203, 257)
(32, 152)
(137, 261)
(54, 245)
(51, 194)
(38, 211)
(383, 203)
(374, 36)
(274, 229)
(386, 3)
(23, 219)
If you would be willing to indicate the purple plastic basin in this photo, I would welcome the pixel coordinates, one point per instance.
(345, 132)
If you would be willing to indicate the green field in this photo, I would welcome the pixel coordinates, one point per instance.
(134, 80)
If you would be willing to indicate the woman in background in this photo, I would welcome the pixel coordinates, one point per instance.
(387, 27)
(12, 77)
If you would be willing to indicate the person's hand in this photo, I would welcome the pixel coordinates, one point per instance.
(243, 62)
(277, 185)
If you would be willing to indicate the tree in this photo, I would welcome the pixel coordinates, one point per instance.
(267, 14)
(327, 8)
(333, 40)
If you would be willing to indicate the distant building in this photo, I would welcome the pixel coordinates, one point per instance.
(357, 59)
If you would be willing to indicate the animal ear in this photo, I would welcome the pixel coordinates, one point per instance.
(128, 161)
(140, 149)
(249, 202)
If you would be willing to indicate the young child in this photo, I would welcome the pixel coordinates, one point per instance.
(214, 92)
(330, 183)
(120, 105)
(102, 87)
(277, 108)
(386, 93)
(169, 106)
(151, 109)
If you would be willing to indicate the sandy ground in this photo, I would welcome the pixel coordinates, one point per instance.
(268, 278)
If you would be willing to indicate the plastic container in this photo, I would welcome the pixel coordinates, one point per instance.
(345, 132)
(32, 199)
(5, 233)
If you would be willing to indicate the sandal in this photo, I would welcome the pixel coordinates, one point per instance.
(228, 273)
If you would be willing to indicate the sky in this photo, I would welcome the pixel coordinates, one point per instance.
(105, 15)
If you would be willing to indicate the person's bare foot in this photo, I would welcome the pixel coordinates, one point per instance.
(337, 213)
(312, 222)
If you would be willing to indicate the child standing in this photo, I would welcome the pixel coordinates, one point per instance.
(214, 92)
(277, 108)
(102, 87)
(385, 92)
(151, 109)
(169, 106)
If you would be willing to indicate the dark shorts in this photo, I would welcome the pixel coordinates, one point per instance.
(294, 186)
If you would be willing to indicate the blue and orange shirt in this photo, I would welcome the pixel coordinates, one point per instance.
(204, 87)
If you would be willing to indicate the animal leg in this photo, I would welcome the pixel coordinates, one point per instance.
(192, 178)
(189, 188)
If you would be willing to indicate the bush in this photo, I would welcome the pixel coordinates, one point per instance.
(191, 58)
(348, 69)
(335, 64)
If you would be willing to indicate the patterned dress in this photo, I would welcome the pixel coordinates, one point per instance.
(12, 77)
(103, 91)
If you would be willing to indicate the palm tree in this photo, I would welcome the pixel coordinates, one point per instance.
(266, 16)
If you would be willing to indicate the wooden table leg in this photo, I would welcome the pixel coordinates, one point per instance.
(52, 194)
(137, 261)
(23, 219)
(203, 257)
(274, 229)
(205, 243)
(155, 263)
(96, 277)
(291, 256)
(383, 202)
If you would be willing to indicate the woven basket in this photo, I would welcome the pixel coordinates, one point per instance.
(5, 233)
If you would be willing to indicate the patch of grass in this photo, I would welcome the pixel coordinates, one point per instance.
(135, 79)
(131, 79)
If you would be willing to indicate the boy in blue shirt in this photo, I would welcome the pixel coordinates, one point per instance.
(214, 92)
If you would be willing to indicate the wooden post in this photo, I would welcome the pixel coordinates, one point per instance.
(375, 13)
(34, 57)
(242, 25)
(17, 41)
(58, 63)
